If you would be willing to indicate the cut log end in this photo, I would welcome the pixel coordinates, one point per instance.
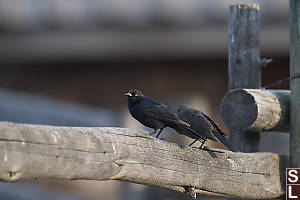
(256, 110)
(238, 109)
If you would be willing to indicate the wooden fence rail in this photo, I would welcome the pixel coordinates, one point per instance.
(256, 110)
(36, 151)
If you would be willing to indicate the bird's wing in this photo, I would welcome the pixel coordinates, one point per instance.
(161, 112)
(220, 134)
(202, 122)
(213, 123)
(188, 132)
(198, 122)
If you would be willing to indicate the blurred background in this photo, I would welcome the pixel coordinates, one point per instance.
(71, 62)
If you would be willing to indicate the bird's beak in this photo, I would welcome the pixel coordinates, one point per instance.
(128, 94)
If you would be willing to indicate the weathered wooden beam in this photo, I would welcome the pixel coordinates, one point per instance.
(256, 110)
(36, 151)
(295, 83)
(244, 63)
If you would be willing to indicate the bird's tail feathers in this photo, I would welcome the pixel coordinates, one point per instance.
(224, 140)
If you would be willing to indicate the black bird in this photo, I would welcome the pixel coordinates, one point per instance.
(154, 114)
(203, 125)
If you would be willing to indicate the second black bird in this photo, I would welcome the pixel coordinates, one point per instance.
(203, 125)
(156, 115)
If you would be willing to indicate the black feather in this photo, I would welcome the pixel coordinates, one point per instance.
(203, 125)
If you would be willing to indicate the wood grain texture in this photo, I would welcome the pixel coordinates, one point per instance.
(244, 62)
(295, 83)
(36, 151)
(256, 110)
(244, 46)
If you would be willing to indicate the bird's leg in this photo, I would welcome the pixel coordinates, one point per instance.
(210, 150)
(203, 141)
(207, 149)
(153, 132)
(159, 132)
(201, 146)
(193, 142)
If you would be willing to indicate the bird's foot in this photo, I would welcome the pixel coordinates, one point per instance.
(205, 148)
(210, 150)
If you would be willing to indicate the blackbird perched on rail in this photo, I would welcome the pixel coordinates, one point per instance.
(156, 115)
(203, 125)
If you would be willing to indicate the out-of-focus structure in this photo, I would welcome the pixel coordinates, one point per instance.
(93, 51)
(92, 30)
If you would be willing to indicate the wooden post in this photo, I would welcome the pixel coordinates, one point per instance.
(244, 62)
(295, 83)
